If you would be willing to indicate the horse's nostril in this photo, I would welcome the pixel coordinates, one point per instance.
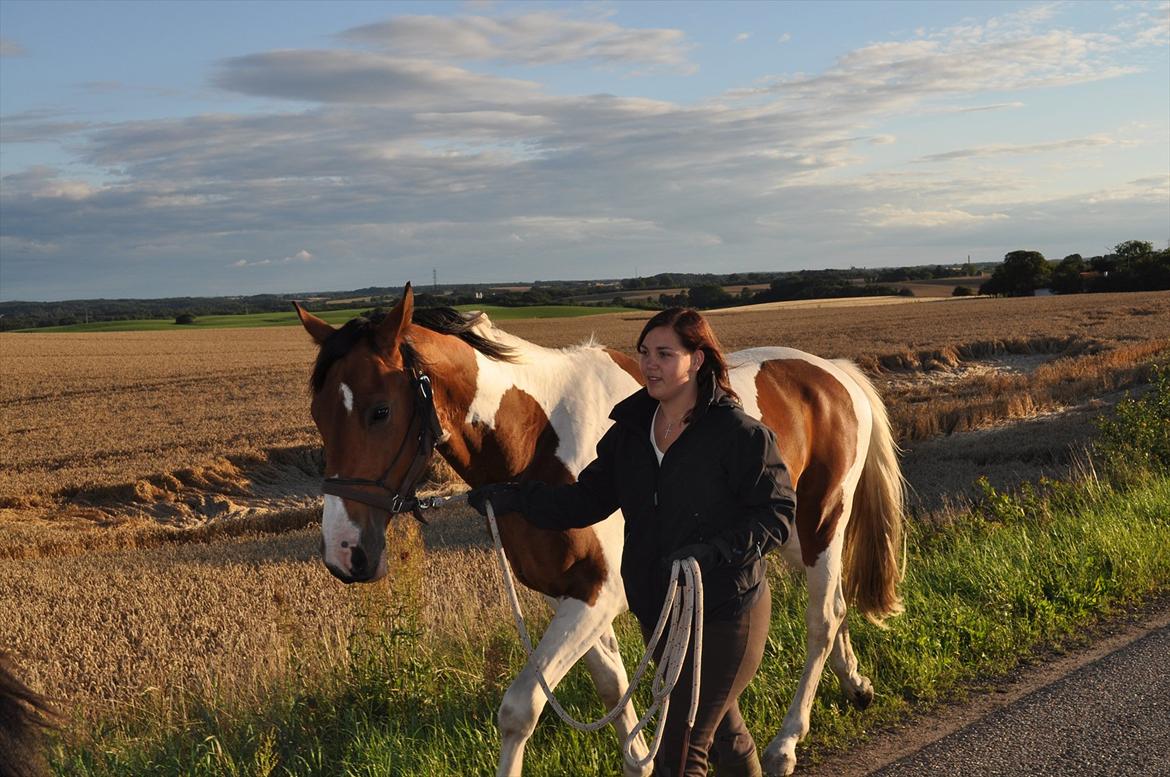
(357, 560)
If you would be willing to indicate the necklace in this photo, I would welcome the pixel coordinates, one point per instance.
(670, 425)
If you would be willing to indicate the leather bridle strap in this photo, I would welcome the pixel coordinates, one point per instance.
(429, 432)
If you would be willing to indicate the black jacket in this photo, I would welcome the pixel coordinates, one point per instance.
(722, 482)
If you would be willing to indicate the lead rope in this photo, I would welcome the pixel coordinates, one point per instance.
(685, 614)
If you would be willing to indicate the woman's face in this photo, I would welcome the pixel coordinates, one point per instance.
(668, 367)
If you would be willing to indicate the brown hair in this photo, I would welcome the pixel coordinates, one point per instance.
(696, 335)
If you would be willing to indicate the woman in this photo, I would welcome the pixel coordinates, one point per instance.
(695, 477)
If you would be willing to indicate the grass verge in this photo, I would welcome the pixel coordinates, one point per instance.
(1027, 570)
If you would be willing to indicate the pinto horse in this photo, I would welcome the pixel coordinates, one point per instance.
(387, 392)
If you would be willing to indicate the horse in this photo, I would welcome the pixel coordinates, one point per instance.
(388, 392)
(24, 715)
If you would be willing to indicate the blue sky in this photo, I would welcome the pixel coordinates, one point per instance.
(163, 149)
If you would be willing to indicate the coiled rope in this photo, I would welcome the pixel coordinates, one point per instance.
(685, 614)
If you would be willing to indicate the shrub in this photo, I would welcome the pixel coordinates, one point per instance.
(963, 291)
(185, 318)
(1136, 439)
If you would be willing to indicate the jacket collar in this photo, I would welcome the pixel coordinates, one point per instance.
(637, 410)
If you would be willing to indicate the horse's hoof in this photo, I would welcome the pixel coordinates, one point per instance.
(861, 696)
(778, 763)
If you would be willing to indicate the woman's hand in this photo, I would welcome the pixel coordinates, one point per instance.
(706, 554)
(505, 498)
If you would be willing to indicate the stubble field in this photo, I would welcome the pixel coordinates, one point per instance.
(159, 489)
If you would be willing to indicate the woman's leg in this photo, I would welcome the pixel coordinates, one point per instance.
(732, 651)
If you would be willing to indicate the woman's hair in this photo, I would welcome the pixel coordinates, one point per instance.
(695, 334)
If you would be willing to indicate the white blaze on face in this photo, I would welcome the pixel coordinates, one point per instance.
(346, 397)
(337, 528)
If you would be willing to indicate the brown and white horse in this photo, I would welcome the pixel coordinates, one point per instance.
(510, 410)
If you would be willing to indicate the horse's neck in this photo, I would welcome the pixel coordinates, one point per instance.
(539, 418)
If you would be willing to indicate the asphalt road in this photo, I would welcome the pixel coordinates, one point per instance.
(1109, 718)
(1103, 710)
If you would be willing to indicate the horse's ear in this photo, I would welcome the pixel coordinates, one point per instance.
(394, 324)
(319, 330)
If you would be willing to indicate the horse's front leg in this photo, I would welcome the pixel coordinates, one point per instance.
(574, 629)
(609, 675)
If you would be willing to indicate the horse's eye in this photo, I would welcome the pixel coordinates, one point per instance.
(381, 413)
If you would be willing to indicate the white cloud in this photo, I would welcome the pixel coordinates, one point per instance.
(742, 37)
(1005, 149)
(300, 257)
(331, 76)
(541, 37)
(784, 38)
(892, 216)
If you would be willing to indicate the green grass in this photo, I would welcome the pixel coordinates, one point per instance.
(332, 316)
(1026, 571)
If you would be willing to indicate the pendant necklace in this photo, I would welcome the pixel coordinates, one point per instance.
(669, 426)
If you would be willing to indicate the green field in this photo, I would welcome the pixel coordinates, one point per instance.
(332, 316)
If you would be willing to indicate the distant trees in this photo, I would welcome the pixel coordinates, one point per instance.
(709, 295)
(1066, 276)
(1134, 265)
(185, 318)
(1021, 273)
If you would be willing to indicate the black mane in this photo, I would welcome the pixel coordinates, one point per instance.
(446, 321)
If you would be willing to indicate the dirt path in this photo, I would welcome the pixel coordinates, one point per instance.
(888, 747)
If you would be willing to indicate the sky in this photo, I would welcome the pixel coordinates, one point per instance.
(152, 149)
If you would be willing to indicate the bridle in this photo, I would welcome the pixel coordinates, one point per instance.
(429, 433)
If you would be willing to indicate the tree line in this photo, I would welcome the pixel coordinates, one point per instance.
(1134, 265)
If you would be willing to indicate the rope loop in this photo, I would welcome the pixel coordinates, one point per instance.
(685, 615)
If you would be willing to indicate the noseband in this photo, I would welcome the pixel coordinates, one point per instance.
(428, 433)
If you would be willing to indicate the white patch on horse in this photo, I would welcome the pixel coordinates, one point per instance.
(569, 385)
(346, 397)
(337, 528)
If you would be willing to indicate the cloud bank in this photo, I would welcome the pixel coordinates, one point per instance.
(401, 156)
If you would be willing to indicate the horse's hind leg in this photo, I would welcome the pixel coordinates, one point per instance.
(856, 687)
(573, 630)
(609, 675)
(826, 610)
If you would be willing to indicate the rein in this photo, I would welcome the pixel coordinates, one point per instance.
(685, 614)
(429, 432)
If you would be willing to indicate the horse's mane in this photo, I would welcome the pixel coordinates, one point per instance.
(23, 716)
(446, 321)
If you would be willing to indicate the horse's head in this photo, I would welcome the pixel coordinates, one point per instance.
(367, 407)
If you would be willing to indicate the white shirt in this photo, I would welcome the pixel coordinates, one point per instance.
(654, 442)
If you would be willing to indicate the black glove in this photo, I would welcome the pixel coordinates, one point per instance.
(706, 554)
(505, 498)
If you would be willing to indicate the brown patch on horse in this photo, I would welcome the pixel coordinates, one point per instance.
(521, 446)
(557, 563)
(627, 364)
(796, 397)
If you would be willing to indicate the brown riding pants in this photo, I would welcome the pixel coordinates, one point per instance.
(732, 651)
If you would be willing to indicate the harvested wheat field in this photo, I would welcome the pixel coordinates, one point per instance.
(159, 490)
